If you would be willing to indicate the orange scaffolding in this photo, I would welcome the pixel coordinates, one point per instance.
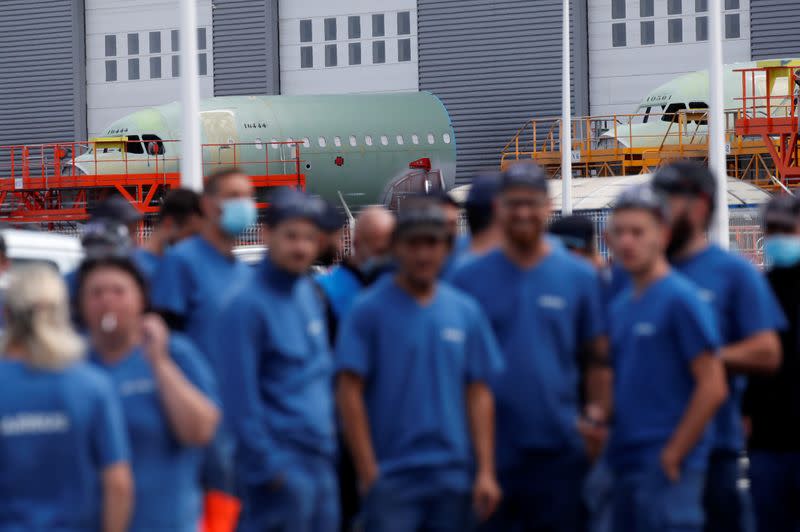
(773, 116)
(52, 183)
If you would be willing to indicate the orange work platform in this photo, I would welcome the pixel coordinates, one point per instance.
(52, 183)
(761, 137)
(771, 113)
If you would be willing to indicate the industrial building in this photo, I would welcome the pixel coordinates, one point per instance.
(72, 66)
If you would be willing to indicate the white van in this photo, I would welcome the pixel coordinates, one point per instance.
(61, 251)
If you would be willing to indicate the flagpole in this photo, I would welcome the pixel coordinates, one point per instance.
(191, 166)
(566, 117)
(717, 156)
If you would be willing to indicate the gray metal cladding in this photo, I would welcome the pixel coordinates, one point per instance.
(42, 64)
(496, 65)
(774, 29)
(245, 47)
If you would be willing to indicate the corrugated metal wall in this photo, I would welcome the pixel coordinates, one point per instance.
(496, 65)
(774, 28)
(245, 47)
(42, 65)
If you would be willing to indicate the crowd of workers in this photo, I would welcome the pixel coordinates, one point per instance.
(504, 381)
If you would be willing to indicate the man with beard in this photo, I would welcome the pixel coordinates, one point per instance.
(747, 317)
(331, 224)
(544, 306)
(772, 402)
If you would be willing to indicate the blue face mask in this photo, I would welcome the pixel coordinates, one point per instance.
(237, 215)
(782, 251)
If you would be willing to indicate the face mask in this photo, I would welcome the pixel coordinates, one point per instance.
(782, 251)
(237, 215)
(681, 233)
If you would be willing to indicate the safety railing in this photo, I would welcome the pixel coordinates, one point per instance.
(47, 164)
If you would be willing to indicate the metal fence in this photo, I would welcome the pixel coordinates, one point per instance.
(746, 232)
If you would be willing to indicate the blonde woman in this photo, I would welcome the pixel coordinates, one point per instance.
(63, 446)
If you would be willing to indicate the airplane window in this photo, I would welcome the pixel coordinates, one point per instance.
(431, 138)
(274, 144)
(306, 142)
(368, 140)
(446, 138)
(400, 140)
(258, 143)
(322, 142)
(154, 144)
(414, 139)
(353, 141)
(384, 140)
(133, 145)
(337, 141)
(669, 113)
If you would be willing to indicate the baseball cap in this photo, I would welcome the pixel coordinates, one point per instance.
(289, 203)
(575, 231)
(523, 174)
(642, 197)
(106, 237)
(117, 209)
(482, 191)
(421, 217)
(782, 213)
(686, 178)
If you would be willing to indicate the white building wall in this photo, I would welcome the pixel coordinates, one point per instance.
(392, 76)
(621, 76)
(107, 99)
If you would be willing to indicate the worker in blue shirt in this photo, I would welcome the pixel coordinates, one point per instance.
(748, 316)
(166, 390)
(668, 380)
(195, 276)
(370, 259)
(772, 402)
(544, 307)
(179, 217)
(277, 381)
(63, 447)
(484, 232)
(414, 359)
(194, 281)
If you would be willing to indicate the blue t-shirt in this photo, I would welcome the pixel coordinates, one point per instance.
(58, 431)
(542, 317)
(147, 262)
(278, 371)
(655, 337)
(166, 473)
(460, 247)
(194, 282)
(744, 305)
(341, 286)
(416, 362)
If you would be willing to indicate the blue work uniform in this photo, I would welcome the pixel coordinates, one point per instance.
(341, 285)
(192, 285)
(417, 361)
(58, 431)
(277, 390)
(542, 316)
(744, 305)
(166, 472)
(655, 337)
(147, 262)
(460, 247)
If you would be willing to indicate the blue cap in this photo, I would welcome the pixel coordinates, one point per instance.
(524, 174)
(643, 197)
(483, 190)
(331, 217)
(289, 203)
(421, 216)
